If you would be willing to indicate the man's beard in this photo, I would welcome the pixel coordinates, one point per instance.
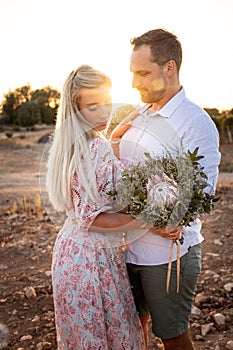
(148, 96)
(156, 91)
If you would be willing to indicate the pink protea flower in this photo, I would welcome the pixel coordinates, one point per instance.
(162, 190)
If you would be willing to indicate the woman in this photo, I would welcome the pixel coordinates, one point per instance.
(94, 307)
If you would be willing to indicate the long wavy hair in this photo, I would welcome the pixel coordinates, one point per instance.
(69, 152)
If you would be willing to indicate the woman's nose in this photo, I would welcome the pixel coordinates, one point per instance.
(106, 109)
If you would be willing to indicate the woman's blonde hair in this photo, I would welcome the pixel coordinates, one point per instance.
(70, 151)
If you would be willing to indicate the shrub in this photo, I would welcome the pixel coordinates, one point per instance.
(9, 134)
(16, 128)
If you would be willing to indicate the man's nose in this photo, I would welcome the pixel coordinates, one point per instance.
(135, 82)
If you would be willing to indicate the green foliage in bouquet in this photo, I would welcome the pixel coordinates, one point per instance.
(165, 191)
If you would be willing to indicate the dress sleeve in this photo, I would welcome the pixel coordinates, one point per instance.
(107, 171)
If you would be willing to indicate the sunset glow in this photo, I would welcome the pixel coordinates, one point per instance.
(43, 41)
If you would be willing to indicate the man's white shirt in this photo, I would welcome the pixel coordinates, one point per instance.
(179, 126)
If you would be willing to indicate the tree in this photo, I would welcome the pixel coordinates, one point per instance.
(28, 114)
(25, 106)
(13, 100)
(8, 108)
(47, 100)
(213, 112)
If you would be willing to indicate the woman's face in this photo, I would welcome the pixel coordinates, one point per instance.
(95, 104)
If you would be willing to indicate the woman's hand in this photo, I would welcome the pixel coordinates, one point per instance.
(120, 130)
(123, 126)
(168, 232)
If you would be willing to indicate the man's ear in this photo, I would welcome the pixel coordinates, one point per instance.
(170, 68)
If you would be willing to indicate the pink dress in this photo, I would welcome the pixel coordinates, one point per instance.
(94, 307)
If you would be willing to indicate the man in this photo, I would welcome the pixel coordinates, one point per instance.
(167, 121)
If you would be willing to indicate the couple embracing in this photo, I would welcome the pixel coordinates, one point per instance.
(103, 294)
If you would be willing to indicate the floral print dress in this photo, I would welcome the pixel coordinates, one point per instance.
(94, 307)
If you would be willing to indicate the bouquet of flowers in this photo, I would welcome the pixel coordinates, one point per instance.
(165, 191)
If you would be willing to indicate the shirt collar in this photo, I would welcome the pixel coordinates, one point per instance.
(169, 108)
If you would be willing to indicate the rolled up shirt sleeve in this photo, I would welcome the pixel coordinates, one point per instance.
(204, 135)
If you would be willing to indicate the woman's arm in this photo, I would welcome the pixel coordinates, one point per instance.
(116, 222)
(119, 222)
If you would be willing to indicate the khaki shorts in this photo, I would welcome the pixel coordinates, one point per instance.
(169, 312)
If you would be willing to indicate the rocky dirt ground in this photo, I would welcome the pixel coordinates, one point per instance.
(27, 235)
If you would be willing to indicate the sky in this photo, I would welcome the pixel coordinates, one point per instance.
(43, 41)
